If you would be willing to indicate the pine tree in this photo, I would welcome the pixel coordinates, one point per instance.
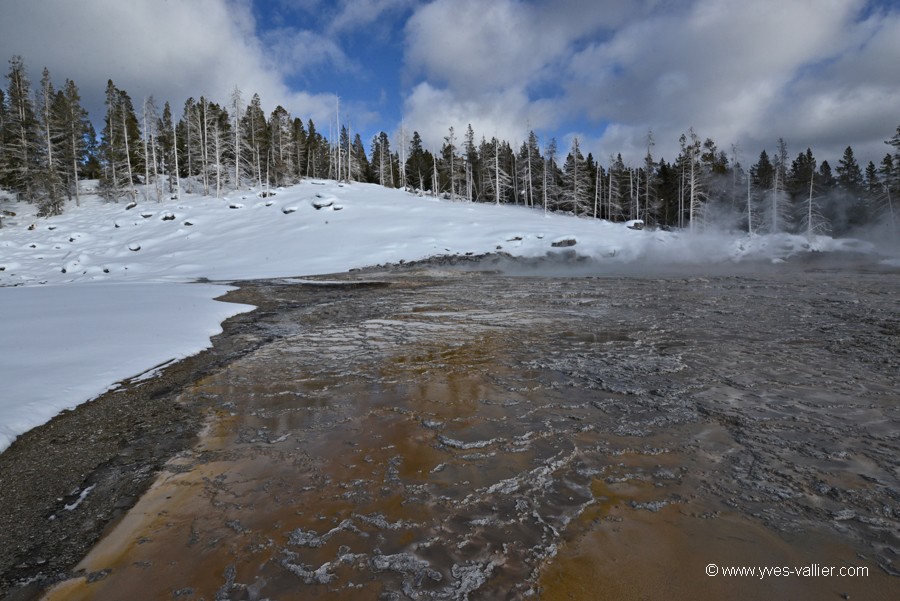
(118, 138)
(473, 165)
(359, 162)
(849, 175)
(382, 160)
(802, 169)
(3, 138)
(850, 183)
(532, 167)
(74, 129)
(762, 173)
(575, 180)
(49, 171)
(23, 135)
(549, 185)
(450, 163)
(614, 210)
(166, 136)
(254, 132)
(894, 182)
(418, 165)
(281, 144)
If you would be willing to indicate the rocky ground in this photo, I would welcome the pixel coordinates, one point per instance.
(419, 431)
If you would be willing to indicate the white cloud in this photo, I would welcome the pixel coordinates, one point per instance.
(739, 72)
(479, 47)
(506, 114)
(297, 51)
(171, 50)
(354, 14)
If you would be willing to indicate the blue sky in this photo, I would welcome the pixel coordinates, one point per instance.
(819, 73)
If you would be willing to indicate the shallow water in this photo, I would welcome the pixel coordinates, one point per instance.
(477, 436)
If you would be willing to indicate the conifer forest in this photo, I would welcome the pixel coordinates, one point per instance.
(48, 142)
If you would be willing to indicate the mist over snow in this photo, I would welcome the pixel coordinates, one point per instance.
(103, 293)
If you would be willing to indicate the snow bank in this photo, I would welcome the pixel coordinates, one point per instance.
(63, 345)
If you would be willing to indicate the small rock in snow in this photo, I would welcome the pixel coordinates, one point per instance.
(561, 242)
(134, 247)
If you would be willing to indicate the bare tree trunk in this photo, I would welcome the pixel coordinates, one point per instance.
(175, 152)
(75, 169)
(496, 173)
(146, 153)
(128, 158)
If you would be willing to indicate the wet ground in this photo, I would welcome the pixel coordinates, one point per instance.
(430, 434)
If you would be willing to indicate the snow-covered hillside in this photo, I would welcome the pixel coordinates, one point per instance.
(102, 292)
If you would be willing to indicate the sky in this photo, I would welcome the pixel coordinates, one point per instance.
(823, 74)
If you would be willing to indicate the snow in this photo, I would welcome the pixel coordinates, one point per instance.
(63, 345)
(105, 292)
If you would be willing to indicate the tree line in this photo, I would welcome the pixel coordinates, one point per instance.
(48, 143)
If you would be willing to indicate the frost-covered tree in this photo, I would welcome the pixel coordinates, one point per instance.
(382, 161)
(498, 179)
(218, 139)
(615, 180)
(694, 178)
(812, 222)
(530, 168)
(254, 133)
(299, 143)
(451, 164)
(550, 178)
(650, 204)
(240, 166)
(118, 146)
(152, 153)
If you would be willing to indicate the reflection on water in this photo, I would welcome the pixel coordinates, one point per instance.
(451, 449)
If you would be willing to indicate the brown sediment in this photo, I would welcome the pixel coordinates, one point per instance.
(630, 556)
